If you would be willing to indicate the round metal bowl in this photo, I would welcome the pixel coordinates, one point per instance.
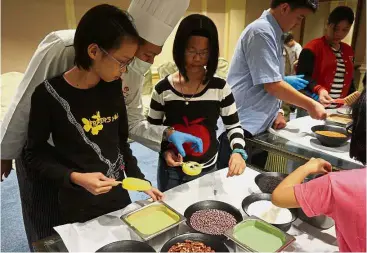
(208, 240)
(265, 196)
(264, 175)
(331, 141)
(322, 221)
(126, 246)
(212, 204)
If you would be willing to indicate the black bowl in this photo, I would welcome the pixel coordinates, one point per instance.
(127, 246)
(212, 204)
(322, 221)
(265, 196)
(331, 141)
(208, 240)
(269, 188)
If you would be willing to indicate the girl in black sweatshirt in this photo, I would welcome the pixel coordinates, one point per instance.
(84, 111)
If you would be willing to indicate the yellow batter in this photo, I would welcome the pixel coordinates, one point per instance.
(152, 219)
(192, 168)
(136, 184)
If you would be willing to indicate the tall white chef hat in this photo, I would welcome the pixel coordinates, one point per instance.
(155, 19)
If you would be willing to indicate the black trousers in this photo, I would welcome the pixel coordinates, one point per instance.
(40, 208)
(225, 151)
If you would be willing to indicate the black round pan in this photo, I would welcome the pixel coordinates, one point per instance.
(331, 141)
(208, 240)
(264, 196)
(212, 204)
(322, 221)
(126, 246)
(268, 174)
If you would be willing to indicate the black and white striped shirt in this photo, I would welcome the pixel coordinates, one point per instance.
(338, 82)
(199, 116)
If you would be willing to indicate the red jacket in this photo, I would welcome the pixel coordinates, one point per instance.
(325, 65)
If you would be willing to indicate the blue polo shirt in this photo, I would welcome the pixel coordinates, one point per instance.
(257, 60)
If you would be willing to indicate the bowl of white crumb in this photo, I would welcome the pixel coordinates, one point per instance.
(260, 205)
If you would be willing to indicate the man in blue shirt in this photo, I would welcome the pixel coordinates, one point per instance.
(256, 74)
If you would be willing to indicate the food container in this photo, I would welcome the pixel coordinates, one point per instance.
(322, 222)
(269, 188)
(126, 246)
(212, 204)
(264, 196)
(255, 235)
(338, 120)
(211, 241)
(153, 220)
(331, 141)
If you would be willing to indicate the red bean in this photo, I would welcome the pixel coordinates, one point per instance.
(212, 221)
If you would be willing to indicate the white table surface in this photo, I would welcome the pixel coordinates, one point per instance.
(299, 132)
(94, 234)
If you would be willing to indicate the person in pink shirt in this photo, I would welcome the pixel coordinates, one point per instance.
(339, 195)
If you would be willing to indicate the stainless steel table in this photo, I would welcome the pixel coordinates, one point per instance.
(293, 151)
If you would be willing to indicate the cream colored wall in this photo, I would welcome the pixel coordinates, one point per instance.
(24, 24)
(254, 9)
(360, 50)
(215, 9)
(315, 23)
(36, 18)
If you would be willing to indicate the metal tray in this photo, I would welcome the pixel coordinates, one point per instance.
(147, 237)
(288, 239)
(332, 122)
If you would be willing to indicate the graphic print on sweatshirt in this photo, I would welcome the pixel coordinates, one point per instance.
(95, 124)
(114, 168)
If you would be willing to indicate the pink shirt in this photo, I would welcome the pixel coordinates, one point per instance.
(341, 196)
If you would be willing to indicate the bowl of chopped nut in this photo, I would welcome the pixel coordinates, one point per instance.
(194, 242)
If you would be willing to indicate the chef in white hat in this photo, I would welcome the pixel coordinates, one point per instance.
(154, 20)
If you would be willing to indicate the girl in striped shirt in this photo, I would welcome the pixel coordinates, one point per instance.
(191, 101)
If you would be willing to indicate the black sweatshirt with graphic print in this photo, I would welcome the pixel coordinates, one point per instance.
(89, 129)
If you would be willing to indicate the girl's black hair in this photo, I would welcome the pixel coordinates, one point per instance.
(340, 14)
(196, 25)
(105, 25)
(358, 141)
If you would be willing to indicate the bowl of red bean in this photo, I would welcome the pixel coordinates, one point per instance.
(194, 242)
(212, 217)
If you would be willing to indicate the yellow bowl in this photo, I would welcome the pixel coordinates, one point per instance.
(192, 168)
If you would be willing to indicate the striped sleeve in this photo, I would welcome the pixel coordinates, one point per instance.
(156, 110)
(228, 112)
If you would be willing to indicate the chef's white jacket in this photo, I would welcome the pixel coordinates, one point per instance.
(55, 55)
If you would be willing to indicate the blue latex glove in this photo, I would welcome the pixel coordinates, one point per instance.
(297, 81)
(178, 139)
(312, 95)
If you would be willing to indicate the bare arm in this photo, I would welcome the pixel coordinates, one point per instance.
(287, 93)
(283, 195)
